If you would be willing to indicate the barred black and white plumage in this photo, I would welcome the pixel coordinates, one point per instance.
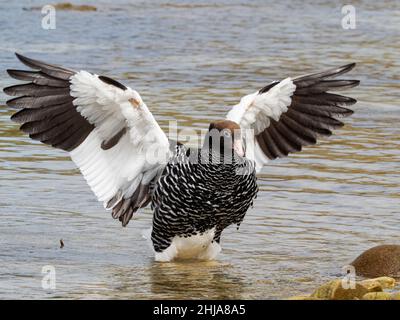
(195, 194)
(193, 197)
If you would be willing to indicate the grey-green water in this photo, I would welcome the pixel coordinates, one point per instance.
(190, 61)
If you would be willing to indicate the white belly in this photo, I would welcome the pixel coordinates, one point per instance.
(199, 247)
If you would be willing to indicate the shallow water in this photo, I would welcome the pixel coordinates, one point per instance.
(315, 212)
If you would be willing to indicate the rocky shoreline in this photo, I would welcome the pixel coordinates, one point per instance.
(382, 263)
(370, 289)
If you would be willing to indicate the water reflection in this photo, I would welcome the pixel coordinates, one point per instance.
(204, 280)
(194, 280)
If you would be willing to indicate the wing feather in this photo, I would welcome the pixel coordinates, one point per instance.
(286, 115)
(93, 118)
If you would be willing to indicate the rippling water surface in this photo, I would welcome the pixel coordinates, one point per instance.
(191, 60)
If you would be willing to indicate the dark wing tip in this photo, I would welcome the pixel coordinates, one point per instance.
(112, 82)
(14, 117)
(20, 74)
(330, 73)
(48, 68)
(348, 66)
(344, 69)
(14, 90)
(350, 101)
(11, 72)
(19, 56)
(13, 103)
(27, 61)
(5, 91)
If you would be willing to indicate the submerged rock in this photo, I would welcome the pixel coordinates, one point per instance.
(377, 296)
(378, 261)
(384, 282)
(67, 6)
(333, 290)
(381, 263)
(370, 289)
(76, 7)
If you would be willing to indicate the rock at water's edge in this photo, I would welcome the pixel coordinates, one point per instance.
(370, 289)
(383, 282)
(377, 296)
(379, 261)
(333, 290)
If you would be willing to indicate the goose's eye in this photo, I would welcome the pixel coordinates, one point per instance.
(227, 134)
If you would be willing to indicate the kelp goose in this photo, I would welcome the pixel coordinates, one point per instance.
(128, 161)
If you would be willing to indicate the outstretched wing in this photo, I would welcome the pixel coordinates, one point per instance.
(105, 126)
(286, 115)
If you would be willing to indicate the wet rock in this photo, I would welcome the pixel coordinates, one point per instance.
(70, 6)
(325, 291)
(369, 289)
(396, 296)
(333, 290)
(67, 6)
(373, 286)
(378, 261)
(377, 296)
(383, 282)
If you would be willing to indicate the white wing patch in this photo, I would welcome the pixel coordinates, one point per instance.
(120, 169)
(254, 112)
(98, 103)
(254, 109)
(108, 171)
